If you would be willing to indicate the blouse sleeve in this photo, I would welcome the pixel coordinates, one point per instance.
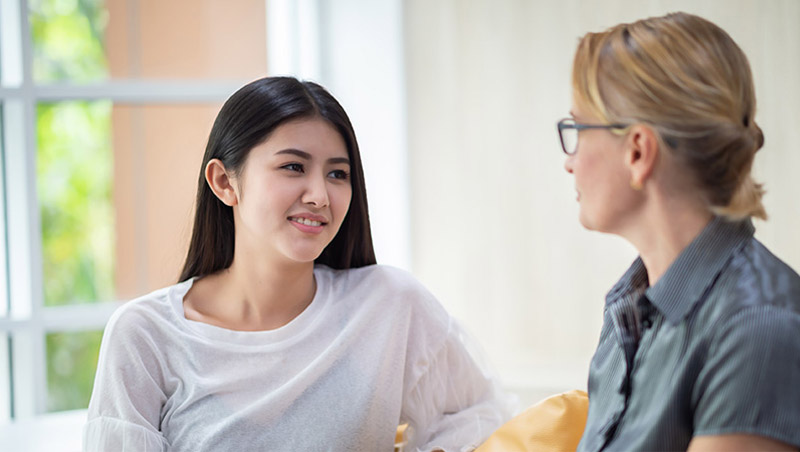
(125, 409)
(749, 381)
(451, 403)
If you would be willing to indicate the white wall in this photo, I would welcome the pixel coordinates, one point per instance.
(494, 219)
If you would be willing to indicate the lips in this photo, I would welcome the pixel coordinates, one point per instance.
(308, 223)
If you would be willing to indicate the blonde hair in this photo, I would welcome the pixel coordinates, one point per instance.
(687, 79)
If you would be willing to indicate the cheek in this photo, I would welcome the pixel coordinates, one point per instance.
(269, 202)
(281, 194)
(598, 173)
(343, 196)
(585, 171)
(599, 185)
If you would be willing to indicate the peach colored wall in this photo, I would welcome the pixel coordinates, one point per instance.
(156, 174)
(197, 39)
(124, 212)
(158, 148)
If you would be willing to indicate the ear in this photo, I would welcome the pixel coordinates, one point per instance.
(221, 183)
(641, 153)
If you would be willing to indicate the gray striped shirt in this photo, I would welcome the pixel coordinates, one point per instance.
(712, 348)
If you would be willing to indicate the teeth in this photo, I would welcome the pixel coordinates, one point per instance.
(306, 221)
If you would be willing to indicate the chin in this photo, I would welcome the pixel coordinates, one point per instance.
(303, 256)
(585, 221)
(603, 226)
(591, 224)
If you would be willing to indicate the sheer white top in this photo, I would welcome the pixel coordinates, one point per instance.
(373, 350)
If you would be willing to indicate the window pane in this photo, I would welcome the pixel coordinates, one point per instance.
(91, 40)
(68, 39)
(74, 181)
(71, 365)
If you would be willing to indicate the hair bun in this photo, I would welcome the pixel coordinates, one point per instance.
(756, 135)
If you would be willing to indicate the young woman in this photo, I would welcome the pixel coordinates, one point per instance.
(700, 345)
(282, 333)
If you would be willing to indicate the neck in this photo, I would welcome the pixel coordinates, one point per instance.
(272, 295)
(252, 294)
(665, 228)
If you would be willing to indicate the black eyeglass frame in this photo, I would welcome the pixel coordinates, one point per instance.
(569, 123)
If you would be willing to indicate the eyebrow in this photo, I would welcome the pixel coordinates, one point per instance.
(306, 156)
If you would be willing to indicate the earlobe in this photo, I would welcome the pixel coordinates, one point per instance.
(220, 182)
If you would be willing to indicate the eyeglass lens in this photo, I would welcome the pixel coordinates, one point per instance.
(570, 137)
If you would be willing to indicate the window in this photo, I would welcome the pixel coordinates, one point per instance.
(105, 107)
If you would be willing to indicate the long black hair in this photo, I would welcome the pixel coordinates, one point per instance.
(246, 120)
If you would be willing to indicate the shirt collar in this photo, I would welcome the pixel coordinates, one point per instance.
(634, 279)
(692, 272)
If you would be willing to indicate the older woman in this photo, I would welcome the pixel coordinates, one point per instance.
(700, 345)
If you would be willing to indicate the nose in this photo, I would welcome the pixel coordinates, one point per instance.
(568, 163)
(316, 193)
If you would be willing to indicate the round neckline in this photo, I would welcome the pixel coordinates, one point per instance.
(304, 321)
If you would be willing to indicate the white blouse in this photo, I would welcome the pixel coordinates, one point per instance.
(373, 350)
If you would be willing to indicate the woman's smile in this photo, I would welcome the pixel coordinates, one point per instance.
(311, 224)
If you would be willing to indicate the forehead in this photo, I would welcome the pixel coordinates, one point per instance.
(314, 136)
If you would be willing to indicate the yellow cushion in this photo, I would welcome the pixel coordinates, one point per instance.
(554, 424)
(400, 438)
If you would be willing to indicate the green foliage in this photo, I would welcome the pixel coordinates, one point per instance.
(71, 364)
(75, 171)
(74, 160)
(68, 40)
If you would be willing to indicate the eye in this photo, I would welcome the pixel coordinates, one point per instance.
(297, 167)
(339, 174)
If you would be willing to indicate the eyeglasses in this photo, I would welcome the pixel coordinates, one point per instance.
(568, 132)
